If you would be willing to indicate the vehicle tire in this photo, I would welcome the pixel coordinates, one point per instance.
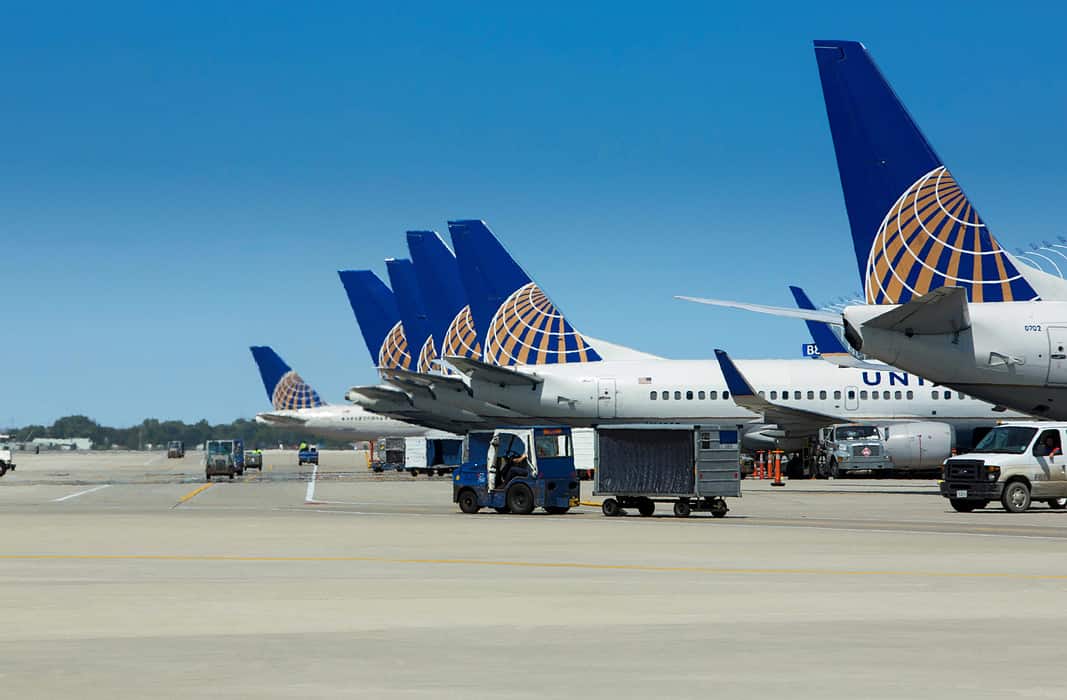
(646, 507)
(207, 477)
(682, 509)
(556, 510)
(468, 501)
(414, 473)
(520, 499)
(610, 507)
(719, 508)
(1016, 497)
(1058, 503)
(963, 505)
(3, 469)
(835, 472)
(502, 510)
(231, 476)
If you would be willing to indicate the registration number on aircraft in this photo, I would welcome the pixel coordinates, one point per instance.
(1036, 328)
(961, 493)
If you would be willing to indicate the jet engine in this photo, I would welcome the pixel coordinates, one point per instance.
(918, 445)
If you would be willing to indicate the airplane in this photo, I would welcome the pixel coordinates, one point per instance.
(297, 406)
(944, 299)
(537, 365)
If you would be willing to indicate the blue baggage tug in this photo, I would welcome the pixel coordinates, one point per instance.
(515, 470)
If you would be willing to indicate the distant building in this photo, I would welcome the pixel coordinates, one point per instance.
(62, 443)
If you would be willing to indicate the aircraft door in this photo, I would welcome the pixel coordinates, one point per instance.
(852, 401)
(605, 398)
(1057, 355)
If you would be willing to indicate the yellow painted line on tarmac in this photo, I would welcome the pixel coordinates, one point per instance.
(545, 565)
(193, 494)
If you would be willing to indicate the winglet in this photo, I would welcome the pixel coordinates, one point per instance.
(735, 381)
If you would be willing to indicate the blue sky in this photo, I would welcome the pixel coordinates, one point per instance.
(181, 182)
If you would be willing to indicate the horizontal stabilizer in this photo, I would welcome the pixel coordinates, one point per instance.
(378, 392)
(282, 420)
(493, 374)
(943, 310)
(439, 381)
(788, 312)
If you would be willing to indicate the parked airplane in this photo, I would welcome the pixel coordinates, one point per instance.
(964, 312)
(298, 407)
(537, 365)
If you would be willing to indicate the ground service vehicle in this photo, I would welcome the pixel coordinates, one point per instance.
(389, 454)
(254, 460)
(1015, 463)
(432, 455)
(695, 467)
(175, 449)
(515, 470)
(224, 458)
(7, 460)
(308, 455)
(851, 447)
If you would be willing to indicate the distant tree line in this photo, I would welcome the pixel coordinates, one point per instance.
(158, 433)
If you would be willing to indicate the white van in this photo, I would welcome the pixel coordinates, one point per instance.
(1016, 463)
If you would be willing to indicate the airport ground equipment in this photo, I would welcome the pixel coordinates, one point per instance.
(175, 449)
(1015, 463)
(515, 470)
(851, 447)
(431, 456)
(254, 460)
(695, 467)
(7, 460)
(224, 458)
(584, 440)
(389, 454)
(308, 455)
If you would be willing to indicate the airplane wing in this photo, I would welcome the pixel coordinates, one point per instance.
(805, 314)
(493, 374)
(280, 420)
(944, 310)
(793, 421)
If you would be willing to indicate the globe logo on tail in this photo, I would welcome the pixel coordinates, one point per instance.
(932, 237)
(427, 355)
(292, 392)
(528, 329)
(461, 338)
(394, 351)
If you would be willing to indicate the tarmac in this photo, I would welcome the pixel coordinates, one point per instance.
(122, 575)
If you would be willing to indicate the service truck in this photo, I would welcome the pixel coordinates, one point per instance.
(175, 449)
(309, 454)
(224, 458)
(1016, 463)
(388, 454)
(431, 456)
(515, 470)
(7, 459)
(693, 467)
(851, 447)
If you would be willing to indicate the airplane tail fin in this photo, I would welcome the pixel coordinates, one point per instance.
(378, 317)
(913, 228)
(413, 316)
(451, 324)
(285, 388)
(516, 319)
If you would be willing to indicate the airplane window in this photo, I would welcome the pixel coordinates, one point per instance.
(774, 395)
(837, 396)
(700, 395)
(863, 394)
(822, 395)
(851, 393)
(911, 394)
(652, 395)
(885, 395)
(962, 397)
(811, 395)
(785, 394)
(761, 394)
(796, 395)
(898, 395)
(713, 395)
(725, 395)
(677, 396)
(665, 395)
(874, 395)
(934, 395)
(688, 396)
(948, 395)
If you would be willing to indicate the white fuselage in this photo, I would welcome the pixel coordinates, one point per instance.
(1014, 354)
(344, 422)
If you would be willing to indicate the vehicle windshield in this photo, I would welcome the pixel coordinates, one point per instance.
(219, 448)
(550, 443)
(857, 432)
(1006, 438)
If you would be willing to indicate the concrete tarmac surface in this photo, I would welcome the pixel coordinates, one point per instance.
(121, 575)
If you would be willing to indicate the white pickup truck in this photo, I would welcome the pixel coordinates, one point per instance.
(1016, 463)
(7, 460)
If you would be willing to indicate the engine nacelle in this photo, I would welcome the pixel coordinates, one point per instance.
(918, 445)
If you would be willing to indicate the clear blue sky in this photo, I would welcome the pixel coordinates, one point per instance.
(181, 180)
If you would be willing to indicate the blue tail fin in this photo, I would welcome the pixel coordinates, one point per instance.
(821, 334)
(517, 321)
(285, 388)
(413, 314)
(376, 312)
(451, 323)
(913, 228)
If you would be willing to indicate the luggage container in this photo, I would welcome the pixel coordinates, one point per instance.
(695, 467)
